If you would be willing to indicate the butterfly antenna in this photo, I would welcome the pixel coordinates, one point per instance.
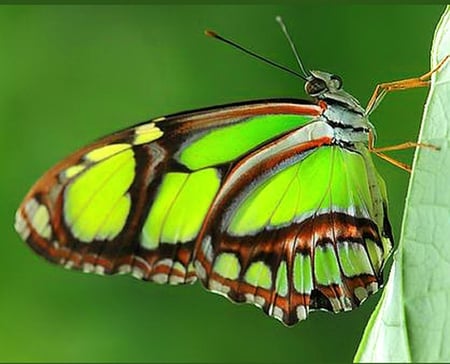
(294, 49)
(212, 34)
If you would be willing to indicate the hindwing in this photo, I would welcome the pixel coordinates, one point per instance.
(297, 227)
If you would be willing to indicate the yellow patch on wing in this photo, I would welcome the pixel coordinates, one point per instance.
(73, 170)
(114, 224)
(101, 153)
(147, 133)
(97, 203)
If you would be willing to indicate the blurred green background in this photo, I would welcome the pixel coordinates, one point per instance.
(69, 74)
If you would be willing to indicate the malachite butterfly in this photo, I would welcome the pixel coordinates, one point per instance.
(271, 202)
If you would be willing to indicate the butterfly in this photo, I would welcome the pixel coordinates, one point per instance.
(273, 202)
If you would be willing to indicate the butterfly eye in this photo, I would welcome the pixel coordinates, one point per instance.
(315, 86)
(336, 81)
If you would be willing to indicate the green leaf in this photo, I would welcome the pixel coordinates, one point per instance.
(412, 319)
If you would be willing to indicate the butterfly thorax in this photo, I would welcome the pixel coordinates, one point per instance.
(343, 112)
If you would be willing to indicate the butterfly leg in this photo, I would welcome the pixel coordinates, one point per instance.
(393, 161)
(402, 146)
(382, 89)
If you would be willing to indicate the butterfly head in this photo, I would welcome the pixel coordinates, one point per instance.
(328, 86)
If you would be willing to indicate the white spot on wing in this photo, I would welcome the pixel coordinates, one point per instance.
(259, 301)
(160, 278)
(301, 312)
(31, 207)
(361, 293)
(68, 264)
(174, 279)
(20, 225)
(167, 262)
(372, 287)
(278, 313)
(207, 248)
(142, 261)
(249, 297)
(200, 270)
(98, 269)
(218, 287)
(346, 303)
(335, 304)
(123, 269)
(191, 280)
(39, 218)
(137, 273)
(88, 268)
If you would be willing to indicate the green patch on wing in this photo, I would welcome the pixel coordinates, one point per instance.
(329, 177)
(303, 281)
(180, 207)
(326, 266)
(282, 285)
(237, 139)
(259, 274)
(227, 265)
(353, 259)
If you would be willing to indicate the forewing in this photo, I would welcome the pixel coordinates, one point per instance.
(297, 227)
(135, 201)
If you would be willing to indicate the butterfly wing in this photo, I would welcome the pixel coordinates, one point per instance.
(300, 224)
(135, 201)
